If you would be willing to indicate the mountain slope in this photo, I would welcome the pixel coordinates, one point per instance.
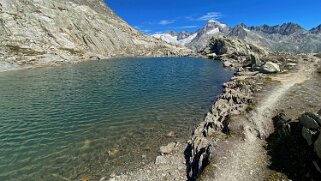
(288, 37)
(49, 32)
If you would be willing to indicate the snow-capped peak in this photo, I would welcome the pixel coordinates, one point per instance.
(184, 39)
(216, 23)
(212, 21)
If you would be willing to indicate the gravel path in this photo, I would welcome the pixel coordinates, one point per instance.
(244, 157)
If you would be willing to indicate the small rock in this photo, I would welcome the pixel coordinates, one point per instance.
(211, 55)
(167, 149)
(160, 160)
(270, 67)
(143, 156)
(170, 134)
(291, 64)
(112, 152)
(227, 64)
(113, 174)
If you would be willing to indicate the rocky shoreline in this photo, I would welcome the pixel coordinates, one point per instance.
(230, 120)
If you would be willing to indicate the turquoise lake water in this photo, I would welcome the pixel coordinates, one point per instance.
(99, 117)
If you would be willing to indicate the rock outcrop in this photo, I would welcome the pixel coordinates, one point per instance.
(223, 45)
(39, 32)
(311, 132)
(234, 53)
(270, 67)
(301, 142)
(236, 98)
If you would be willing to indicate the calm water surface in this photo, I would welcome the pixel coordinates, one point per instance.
(99, 117)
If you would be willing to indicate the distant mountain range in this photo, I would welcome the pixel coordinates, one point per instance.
(288, 37)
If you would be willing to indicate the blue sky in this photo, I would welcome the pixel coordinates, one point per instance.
(151, 16)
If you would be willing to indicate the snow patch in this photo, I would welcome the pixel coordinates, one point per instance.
(213, 31)
(188, 40)
(167, 38)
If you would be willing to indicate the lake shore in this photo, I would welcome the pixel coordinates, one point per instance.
(229, 143)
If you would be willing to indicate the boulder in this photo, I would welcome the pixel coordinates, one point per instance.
(200, 156)
(318, 55)
(270, 67)
(310, 121)
(317, 146)
(211, 55)
(281, 123)
(311, 133)
(170, 134)
(308, 135)
(167, 149)
(227, 64)
(254, 59)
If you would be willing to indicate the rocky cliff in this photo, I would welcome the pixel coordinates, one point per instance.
(37, 32)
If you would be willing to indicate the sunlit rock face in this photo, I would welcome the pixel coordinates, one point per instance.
(54, 31)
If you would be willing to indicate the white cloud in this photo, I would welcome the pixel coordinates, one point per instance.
(166, 22)
(188, 27)
(210, 16)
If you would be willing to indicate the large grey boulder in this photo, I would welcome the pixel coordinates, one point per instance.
(311, 133)
(270, 67)
(310, 121)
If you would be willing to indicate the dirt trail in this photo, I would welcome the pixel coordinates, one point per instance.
(260, 116)
(247, 159)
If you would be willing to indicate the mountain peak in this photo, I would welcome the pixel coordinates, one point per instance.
(242, 25)
(284, 29)
(213, 24)
(239, 31)
(290, 28)
(212, 21)
(316, 29)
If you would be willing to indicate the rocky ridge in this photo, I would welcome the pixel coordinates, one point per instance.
(288, 37)
(40, 32)
(237, 54)
(237, 95)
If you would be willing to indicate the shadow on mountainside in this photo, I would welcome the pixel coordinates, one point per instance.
(291, 155)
